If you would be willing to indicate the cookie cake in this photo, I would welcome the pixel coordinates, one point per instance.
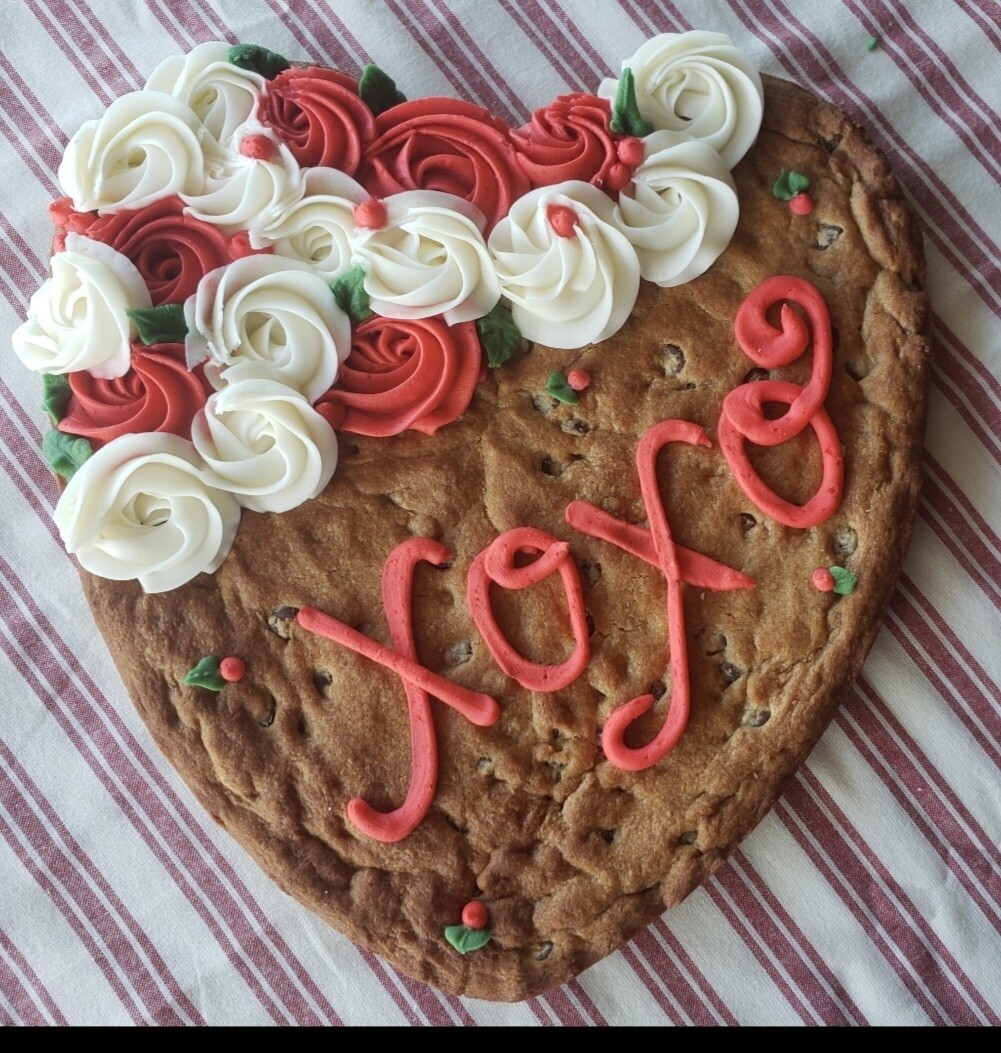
(485, 521)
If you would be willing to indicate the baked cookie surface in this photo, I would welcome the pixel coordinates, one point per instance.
(570, 854)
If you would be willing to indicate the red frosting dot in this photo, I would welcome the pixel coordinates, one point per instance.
(258, 147)
(579, 379)
(823, 579)
(232, 669)
(618, 176)
(801, 205)
(562, 219)
(475, 914)
(371, 214)
(631, 151)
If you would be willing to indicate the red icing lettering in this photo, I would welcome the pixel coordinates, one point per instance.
(419, 683)
(743, 417)
(679, 566)
(496, 563)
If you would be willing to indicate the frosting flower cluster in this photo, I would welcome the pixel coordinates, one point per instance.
(252, 256)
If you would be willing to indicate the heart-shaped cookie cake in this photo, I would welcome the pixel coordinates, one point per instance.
(486, 521)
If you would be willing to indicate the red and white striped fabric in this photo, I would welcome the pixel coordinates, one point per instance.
(870, 895)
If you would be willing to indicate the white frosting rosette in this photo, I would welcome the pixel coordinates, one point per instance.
(242, 192)
(265, 444)
(264, 316)
(698, 83)
(681, 209)
(223, 96)
(429, 259)
(77, 319)
(572, 288)
(319, 229)
(147, 145)
(141, 509)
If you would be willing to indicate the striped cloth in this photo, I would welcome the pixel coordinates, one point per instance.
(870, 895)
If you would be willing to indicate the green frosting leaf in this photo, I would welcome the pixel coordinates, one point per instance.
(626, 116)
(558, 388)
(378, 90)
(789, 184)
(844, 580)
(499, 335)
(464, 939)
(206, 674)
(349, 292)
(257, 59)
(55, 395)
(65, 453)
(160, 325)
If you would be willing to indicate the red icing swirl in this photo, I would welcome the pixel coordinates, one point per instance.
(157, 394)
(448, 145)
(400, 374)
(171, 250)
(743, 415)
(571, 138)
(318, 115)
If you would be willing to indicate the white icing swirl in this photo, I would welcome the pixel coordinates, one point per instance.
(319, 228)
(140, 509)
(264, 316)
(264, 443)
(223, 96)
(245, 193)
(77, 319)
(147, 145)
(698, 83)
(681, 209)
(565, 291)
(429, 259)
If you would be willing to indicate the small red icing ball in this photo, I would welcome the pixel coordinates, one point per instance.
(823, 579)
(562, 219)
(801, 205)
(232, 669)
(631, 151)
(475, 914)
(371, 214)
(579, 379)
(618, 177)
(259, 147)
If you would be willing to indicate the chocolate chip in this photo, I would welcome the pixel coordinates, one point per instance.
(674, 360)
(321, 681)
(657, 689)
(730, 672)
(280, 621)
(827, 235)
(845, 541)
(552, 468)
(590, 623)
(591, 572)
(459, 654)
(747, 522)
(575, 426)
(608, 836)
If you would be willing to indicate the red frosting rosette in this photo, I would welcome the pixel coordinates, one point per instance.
(157, 394)
(172, 251)
(404, 373)
(318, 115)
(572, 138)
(447, 145)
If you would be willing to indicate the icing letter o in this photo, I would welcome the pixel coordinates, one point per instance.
(496, 564)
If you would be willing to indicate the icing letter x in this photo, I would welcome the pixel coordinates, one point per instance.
(679, 566)
(420, 683)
